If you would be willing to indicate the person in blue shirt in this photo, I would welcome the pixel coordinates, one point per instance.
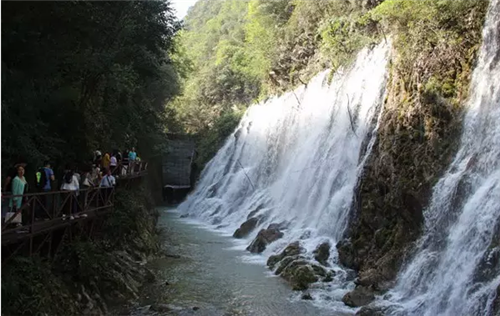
(132, 156)
(46, 212)
(107, 182)
(49, 175)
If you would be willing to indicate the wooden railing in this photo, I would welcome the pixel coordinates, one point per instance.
(38, 211)
(137, 168)
(45, 211)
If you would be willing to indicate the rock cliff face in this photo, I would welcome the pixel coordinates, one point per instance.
(419, 130)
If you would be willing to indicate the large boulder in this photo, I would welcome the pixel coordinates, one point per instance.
(291, 265)
(292, 250)
(246, 228)
(264, 238)
(272, 233)
(322, 253)
(300, 272)
(301, 276)
(360, 296)
(283, 264)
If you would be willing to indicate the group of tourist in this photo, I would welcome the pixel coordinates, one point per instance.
(114, 162)
(101, 174)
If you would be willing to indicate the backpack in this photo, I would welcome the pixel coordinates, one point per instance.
(68, 177)
(41, 178)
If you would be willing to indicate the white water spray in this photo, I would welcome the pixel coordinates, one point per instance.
(451, 273)
(296, 158)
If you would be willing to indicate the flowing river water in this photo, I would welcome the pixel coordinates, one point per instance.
(215, 276)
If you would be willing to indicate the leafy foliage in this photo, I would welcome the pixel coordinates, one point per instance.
(79, 76)
(30, 288)
(104, 266)
(133, 224)
(441, 37)
(241, 51)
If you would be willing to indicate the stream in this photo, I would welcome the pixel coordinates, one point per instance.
(215, 278)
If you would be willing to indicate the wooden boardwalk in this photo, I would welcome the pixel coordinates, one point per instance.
(45, 217)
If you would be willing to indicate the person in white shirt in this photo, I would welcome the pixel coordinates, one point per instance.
(113, 163)
(70, 183)
(96, 174)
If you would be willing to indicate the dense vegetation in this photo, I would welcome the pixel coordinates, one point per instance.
(237, 52)
(88, 274)
(79, 76)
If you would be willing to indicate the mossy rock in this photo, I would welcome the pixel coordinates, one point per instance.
(273, 260)
(289, 267)
(258, 245)
(318, 270)
(286, 261)
(300, 274)
(265, 237)
(291, 250)
(296, 269)
(360, 296)
(303, 276)
(322, 253)
(246, 228)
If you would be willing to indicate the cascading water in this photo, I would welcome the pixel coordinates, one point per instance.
(295, 158)
(456, 268)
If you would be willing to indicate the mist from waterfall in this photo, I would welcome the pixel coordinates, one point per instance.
(456, 267)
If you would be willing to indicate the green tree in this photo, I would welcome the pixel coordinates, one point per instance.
(79, 76)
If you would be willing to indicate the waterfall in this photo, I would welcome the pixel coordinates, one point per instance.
(456, 267)
(295, 159)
